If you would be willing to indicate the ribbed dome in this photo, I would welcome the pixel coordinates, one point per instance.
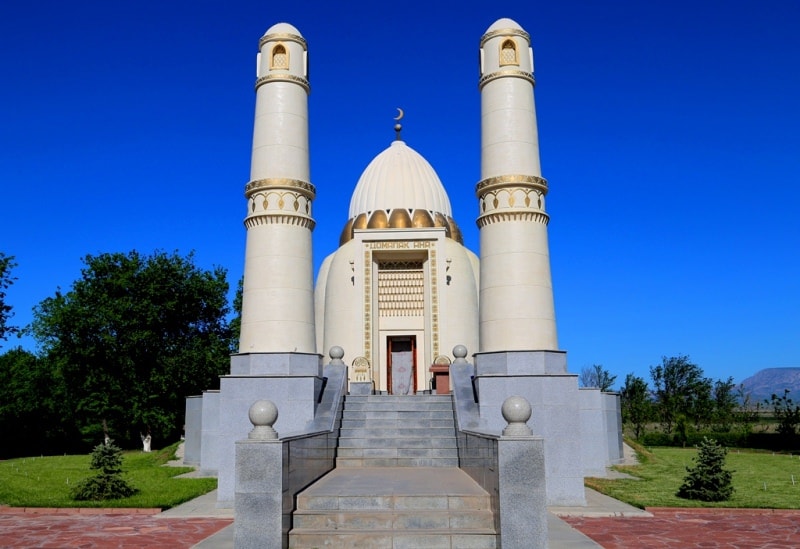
(399, 178)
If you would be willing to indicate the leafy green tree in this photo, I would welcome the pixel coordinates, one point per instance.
(132, 338)
(787, 413)
(708, 480)
(746, 414)
(680, 389)
(702, 406)
(236, 321)
(596, 376)
(724, 404)
(33, 418)
(107, 483)
(6, 280)
(636, 404)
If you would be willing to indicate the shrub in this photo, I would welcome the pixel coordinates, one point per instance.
(107, 482)
(708, 480)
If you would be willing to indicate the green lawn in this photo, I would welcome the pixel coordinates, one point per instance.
(47, 481)
(761, 480)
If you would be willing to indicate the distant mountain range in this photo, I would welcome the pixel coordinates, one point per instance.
(771, 381)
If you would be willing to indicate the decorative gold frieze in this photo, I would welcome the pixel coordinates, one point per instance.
(511, 180)
(368, 304)
(282, 36)
(400, 244)
(278, 218)
(279, 202)
(401, 288)
(434, 286)
(498, 216)
(486, 78)
(283, 77)
(505, 32)
(280, 183)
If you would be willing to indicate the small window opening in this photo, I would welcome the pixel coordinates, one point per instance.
(508, 53)
(280, 57)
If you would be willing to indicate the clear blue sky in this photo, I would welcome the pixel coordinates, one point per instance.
(669, 135)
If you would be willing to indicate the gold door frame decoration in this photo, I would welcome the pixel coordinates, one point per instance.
(431, 319)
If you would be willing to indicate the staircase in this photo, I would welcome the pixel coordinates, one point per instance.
(397, 431)
(396, 484)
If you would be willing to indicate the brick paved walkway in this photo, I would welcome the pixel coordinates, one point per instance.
(695, 528)
(92, 529)
(667, 528)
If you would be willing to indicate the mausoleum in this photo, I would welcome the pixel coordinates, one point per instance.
(402, 308)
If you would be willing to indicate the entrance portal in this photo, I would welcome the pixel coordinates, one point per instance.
(401, 365)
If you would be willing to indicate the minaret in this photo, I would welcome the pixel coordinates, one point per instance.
(516, 296)
(278, 298)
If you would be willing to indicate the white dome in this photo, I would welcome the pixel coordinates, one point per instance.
(504, 23)
(399, 178)
(282, 28)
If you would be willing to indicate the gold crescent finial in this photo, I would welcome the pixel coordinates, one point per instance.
(400, 114)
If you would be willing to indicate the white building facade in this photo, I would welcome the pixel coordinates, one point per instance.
(402, 291)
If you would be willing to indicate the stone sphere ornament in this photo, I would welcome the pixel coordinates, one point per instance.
(263, 415)
(516, 411)
(336, 353)
(460, 352)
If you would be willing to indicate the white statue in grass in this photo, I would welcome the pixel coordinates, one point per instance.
(146, 439)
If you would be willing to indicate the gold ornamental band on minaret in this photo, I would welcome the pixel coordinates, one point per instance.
(511, 180)
(279, 219)
(303, 187)
(505, 32)
(499, 216)
(283, 36)
(509, 73)
(283, 77)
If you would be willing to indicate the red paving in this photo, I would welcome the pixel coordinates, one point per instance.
(695, 528)
(668, 528)
(91, 529)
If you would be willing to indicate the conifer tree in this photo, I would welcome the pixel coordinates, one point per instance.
(107, 482)
(708, 480)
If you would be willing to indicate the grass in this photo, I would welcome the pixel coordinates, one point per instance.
(48, 481)
(762, 480)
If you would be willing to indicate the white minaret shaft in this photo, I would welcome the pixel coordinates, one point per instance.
(516, 295)
(278, 298)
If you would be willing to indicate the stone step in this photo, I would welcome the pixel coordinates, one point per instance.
(396, 414)
(394, 508)
(370, 452)
(402, 398)
(350, 462)
(391, 539)
(418, 443)
(390, 433)
(409, 519)
(398, 406)
(410, 422)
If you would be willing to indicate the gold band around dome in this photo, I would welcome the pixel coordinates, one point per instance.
(283, 36)
(304, 187)
(510, 180)
(283, 77)
(400, 218)
(486, 78)
(505, 32)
